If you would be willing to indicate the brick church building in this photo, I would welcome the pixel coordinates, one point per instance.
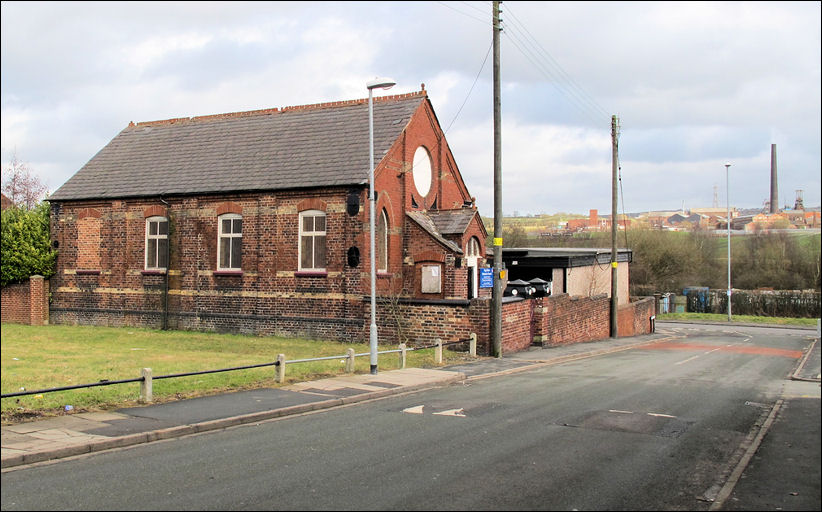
(258, 222)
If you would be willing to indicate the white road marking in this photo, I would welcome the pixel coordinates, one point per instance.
(620, 412)
(414, 410)
(660, 415)
(452, 412)
(685, 361)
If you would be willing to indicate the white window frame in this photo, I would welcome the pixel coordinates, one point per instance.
(233, 237)
(382, 241)
(156, 237)
(472, 252)
(314, 234)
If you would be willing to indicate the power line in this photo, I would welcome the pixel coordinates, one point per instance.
(484, 22)
(549, 66)
(558, 67)
(594, 116)
(472, 87)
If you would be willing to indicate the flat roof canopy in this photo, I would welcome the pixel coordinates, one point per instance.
(561, 257)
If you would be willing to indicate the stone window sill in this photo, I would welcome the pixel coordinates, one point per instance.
(228, 273)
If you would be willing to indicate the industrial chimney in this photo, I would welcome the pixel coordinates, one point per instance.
(774, 193)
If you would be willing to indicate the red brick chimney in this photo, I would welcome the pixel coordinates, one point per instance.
(593, 218)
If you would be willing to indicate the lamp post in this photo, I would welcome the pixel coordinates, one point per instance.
(728, 204)
(381, 83)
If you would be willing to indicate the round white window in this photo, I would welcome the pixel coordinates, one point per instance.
(421, 169)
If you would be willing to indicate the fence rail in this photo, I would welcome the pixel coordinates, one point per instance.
(146, 378)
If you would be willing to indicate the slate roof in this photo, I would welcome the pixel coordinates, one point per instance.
(292, 147)
(444, 222)
(452, 222)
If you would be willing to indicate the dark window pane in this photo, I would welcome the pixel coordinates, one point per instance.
(226, 225)
(308, 223)
(236, 252)
(163, 227)
(306, 250)
(152, 228)
(319, 251)
(162, 253)
(151, 253)
(238, 226)
(319, 223)
(225, 252)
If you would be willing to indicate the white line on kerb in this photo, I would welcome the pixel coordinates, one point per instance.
(620, 412)
(660, 415)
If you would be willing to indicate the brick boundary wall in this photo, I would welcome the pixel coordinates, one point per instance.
(634, 319)
(545, 321)
(26, 303)
(562, 319)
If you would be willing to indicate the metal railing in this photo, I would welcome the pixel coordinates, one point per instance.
(145, 379)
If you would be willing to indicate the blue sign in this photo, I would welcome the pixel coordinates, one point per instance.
(486, 278)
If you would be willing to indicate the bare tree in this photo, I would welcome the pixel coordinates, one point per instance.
(23, 187)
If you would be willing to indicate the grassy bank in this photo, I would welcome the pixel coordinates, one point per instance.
(748, 319)
(56, 356)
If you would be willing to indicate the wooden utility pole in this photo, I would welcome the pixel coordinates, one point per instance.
(496, 296)
(614, 225)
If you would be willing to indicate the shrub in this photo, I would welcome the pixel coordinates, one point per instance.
(26, 245)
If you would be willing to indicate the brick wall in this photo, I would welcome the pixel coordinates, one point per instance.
(418, 322)
(561, 319)
(26, 303)
(516, 325)
(634, 319)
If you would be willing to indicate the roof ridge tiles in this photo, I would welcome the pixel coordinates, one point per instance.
(275, 110)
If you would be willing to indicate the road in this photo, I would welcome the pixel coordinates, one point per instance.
(662, 427)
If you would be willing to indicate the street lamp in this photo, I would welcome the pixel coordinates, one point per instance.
(377, 83)
(728, 204)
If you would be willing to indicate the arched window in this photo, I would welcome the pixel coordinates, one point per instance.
(473, 249)
(381, 242)
(312, 240)
(230, 242)
(472, 255)
(156, 243)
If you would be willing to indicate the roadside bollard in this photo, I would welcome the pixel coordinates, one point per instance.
(279, 376)
(438, 352)
(146, 394)
(349, 363)
(402, 356)
(472, 345)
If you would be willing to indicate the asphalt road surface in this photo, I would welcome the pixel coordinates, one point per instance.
(663, 427)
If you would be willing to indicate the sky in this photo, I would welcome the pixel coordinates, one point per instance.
(693, 85)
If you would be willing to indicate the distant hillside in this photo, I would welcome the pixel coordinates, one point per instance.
(533, 225)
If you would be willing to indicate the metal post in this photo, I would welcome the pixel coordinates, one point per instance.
(438, 352)
(373, 332)
(472, 345)
(403, 355)
(728, 204)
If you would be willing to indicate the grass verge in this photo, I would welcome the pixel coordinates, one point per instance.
(749, 319)
(52, 356)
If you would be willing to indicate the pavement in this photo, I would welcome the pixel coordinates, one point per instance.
(76, 434)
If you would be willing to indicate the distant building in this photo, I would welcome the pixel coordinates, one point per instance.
(5, 202)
